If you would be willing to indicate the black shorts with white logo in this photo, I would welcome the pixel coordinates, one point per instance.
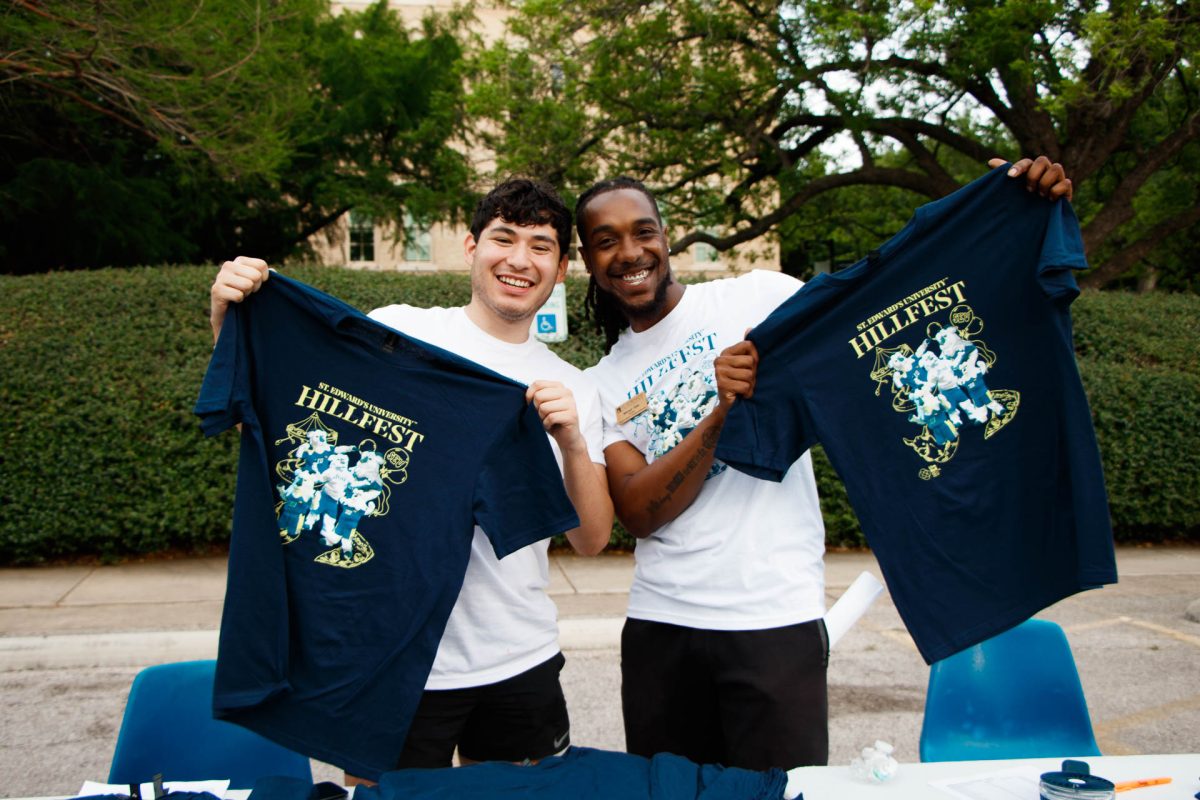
(522, 717)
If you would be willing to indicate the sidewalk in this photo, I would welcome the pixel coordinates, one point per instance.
(141, 613)
(151, 612)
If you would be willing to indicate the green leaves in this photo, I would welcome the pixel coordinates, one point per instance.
(192, 77)
(742, 114)
(387, 104)
(196, 130)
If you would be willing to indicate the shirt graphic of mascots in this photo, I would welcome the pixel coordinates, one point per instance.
(324, 491)
(673, 411)
(940, 388)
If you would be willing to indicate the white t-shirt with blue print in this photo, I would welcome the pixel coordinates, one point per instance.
(747, 554)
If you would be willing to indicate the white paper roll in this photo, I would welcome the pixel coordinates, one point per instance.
(853, 603)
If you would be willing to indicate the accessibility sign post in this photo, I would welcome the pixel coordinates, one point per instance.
(550, 322)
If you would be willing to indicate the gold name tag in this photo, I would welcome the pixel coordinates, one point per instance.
(631, 408)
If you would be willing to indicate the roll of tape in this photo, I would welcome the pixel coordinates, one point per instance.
(1075, 786)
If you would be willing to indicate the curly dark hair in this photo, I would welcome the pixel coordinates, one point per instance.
(599, 306)
(524, 201)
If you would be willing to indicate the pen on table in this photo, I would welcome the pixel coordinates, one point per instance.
(1125, 786)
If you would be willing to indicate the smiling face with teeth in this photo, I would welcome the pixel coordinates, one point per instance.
(624, 247)
(513, 270)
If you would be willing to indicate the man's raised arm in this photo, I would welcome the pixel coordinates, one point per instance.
(648, 496)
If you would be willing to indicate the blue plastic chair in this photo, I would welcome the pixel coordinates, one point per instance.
(169, 728)
(1016, 695)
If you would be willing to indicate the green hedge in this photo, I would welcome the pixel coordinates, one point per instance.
(101, 454)
(1140, 361)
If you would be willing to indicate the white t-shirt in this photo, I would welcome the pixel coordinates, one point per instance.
(503, 623)
(747, 554)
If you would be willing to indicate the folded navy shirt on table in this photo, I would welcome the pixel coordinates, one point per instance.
(581, 773)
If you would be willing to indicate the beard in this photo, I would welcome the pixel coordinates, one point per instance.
(651, 309)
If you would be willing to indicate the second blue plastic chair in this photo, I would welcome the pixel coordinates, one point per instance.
(169, 728)
(1016, 695)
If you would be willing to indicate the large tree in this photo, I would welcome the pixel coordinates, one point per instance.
(388, 116)
(141, 132)
(743, 112)
(191, 77)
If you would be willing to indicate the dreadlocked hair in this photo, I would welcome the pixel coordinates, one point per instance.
(598, 305)
(607, 318)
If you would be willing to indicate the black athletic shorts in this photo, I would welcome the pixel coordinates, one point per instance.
(755, 699)
(523, 717)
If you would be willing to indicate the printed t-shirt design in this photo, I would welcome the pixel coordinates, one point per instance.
(329, 488)
(939, 375)
(675, 409)
(941, 386)
(367, 459)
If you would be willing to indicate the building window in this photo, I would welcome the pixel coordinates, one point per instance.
(704, 253)
(362, 237)
(418, 242)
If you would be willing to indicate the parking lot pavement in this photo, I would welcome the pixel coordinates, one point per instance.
(71, 639)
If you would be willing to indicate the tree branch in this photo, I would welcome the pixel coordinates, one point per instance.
(1109, 126)
(896, 126)
(33, 8)
(1123, 259)
(925, 160)
(877, 176)
(1118, 209)
(83, 101)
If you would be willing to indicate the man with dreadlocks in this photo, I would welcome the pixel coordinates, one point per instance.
(724, 651)
(494, 690)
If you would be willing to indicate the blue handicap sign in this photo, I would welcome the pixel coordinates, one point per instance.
(546, 323)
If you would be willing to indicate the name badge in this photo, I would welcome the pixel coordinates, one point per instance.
(631, 408)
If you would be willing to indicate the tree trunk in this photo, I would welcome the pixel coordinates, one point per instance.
(1148, 280)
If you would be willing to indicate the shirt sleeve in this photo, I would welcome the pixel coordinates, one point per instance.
(587, 404)
(764, 435)
(769, 290)
(519, 493)
(1061, 252)
(397, 316)
(610, 431)
(219, 405)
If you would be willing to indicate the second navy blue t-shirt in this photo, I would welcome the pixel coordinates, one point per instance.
(367, 458)
(940, 377)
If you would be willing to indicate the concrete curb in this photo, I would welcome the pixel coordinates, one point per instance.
(90, 650)
(590, 633)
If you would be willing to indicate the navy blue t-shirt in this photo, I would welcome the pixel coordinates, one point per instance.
(367, 458)
(583, 774)
(940, 377)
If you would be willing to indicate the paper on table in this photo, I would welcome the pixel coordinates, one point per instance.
(215, 788)
(1018, 783)
(853, 603)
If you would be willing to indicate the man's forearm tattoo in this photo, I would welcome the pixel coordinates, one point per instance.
(708, 443)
